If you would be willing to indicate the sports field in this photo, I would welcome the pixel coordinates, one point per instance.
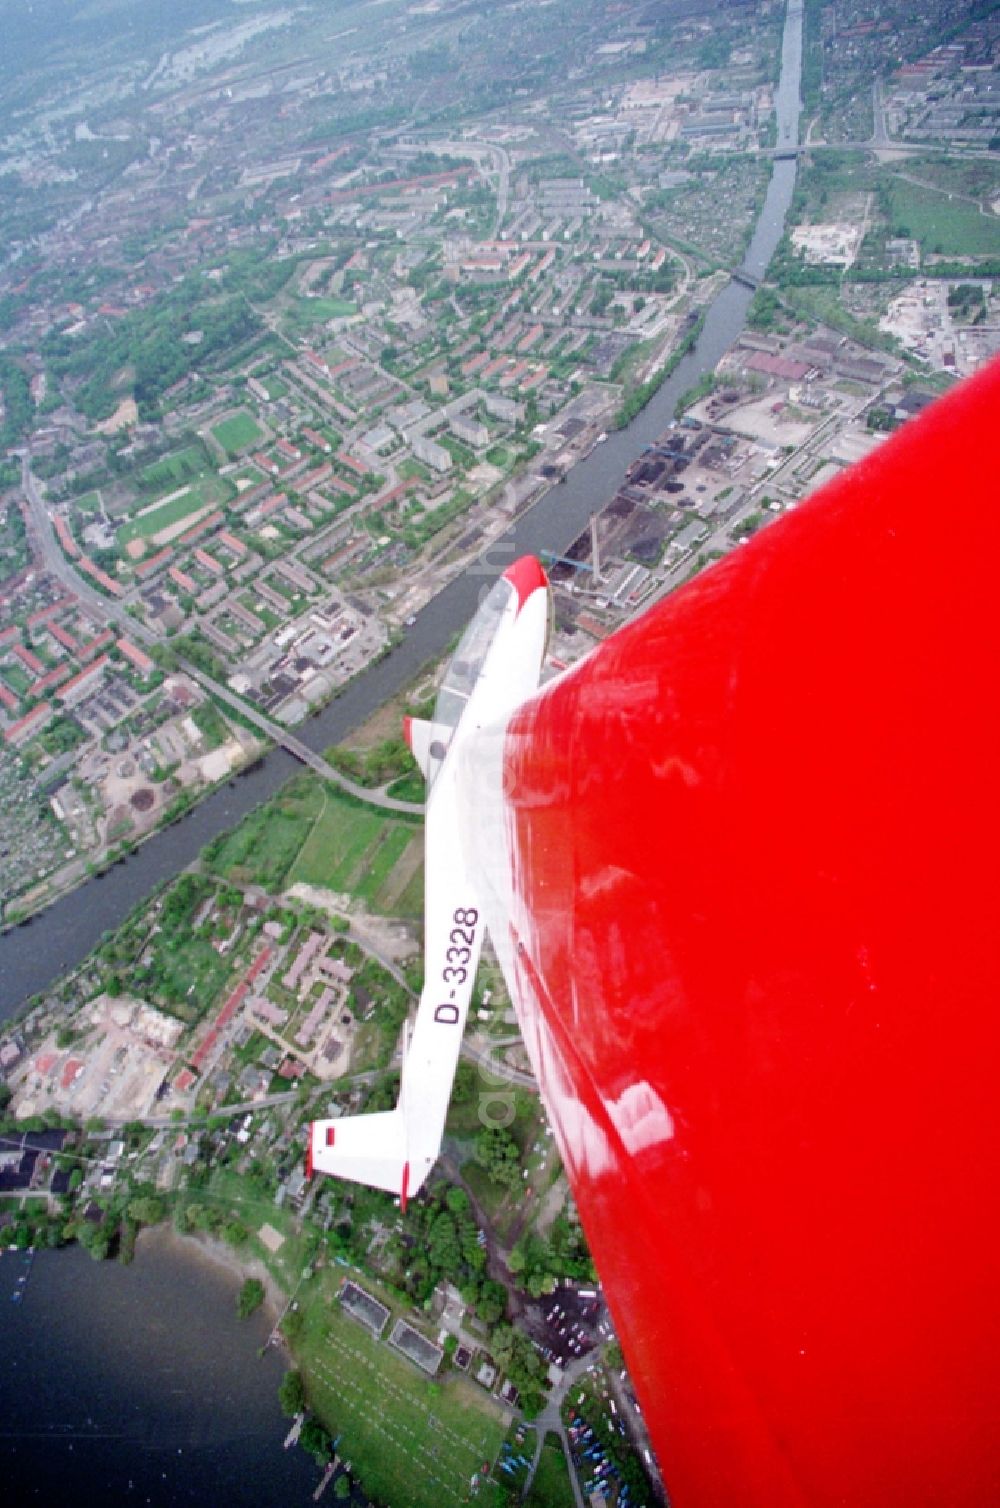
(173, 470)
(237, 433)
(154, 519)
(302, 313)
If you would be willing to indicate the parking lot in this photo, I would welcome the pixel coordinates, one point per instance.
(570, 1324)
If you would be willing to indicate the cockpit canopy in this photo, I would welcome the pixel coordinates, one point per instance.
(464, 671)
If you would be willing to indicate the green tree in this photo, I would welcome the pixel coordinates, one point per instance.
(95, 1238)
(147, 1211)
(316, 1441)
(292, 1394)
(250, 1297)
(292, 1324)
(497, 1152)
(492, 1302)
(342, 1488)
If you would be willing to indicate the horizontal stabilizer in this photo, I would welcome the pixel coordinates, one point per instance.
(426, 740)
(367, 1149)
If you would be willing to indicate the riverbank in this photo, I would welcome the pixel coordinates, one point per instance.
(239, 1266)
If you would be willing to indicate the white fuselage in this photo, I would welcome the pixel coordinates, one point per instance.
(496, 668)
(453, 913)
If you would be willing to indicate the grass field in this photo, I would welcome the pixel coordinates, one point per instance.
(302, 313)
(248, 475)
(410, 1439)
(407, 469)
(89, 502)
(203, 493)
(175, 469)
(310, 834)
(412, 787)
(355, 849)
(551, 1487)
(254, 1205)
(950, 227)
(263, 848)
(186, 969)
(237, 433)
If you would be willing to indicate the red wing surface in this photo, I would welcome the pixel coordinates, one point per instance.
(754, 843)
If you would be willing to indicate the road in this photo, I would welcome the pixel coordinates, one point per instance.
(47, 548)
(551, 1419)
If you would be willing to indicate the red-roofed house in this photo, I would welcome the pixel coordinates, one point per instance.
(101, 577)
(64, 536)
(346, 459)
(46, 682)
(154, 563)
(530, 337)
(137, 656)
(230, 541)
(28, 660)
(209, 562)
(210, 521)
(27, 727)
(83, 683)
(62, 636)
(94, 646)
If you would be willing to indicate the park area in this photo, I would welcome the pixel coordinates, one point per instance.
(312, 834)
(410, 1440)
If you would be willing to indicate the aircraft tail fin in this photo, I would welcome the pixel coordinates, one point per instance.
(369, 1149)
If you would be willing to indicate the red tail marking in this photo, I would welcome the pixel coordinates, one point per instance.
(406, 1187)
(525, 576)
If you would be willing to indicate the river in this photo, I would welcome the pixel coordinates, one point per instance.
(32, 955)
(139, 1385)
